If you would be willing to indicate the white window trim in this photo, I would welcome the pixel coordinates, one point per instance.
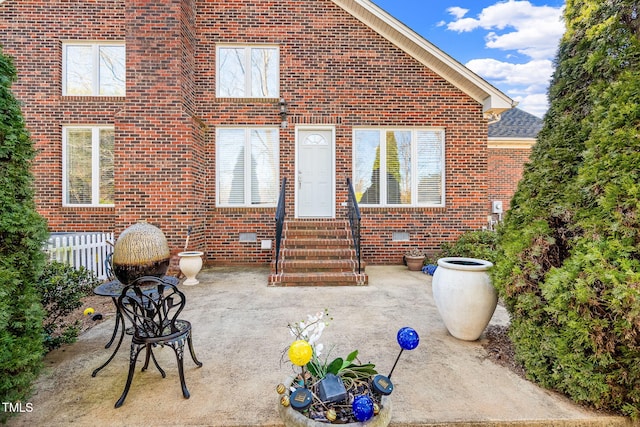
(95, 166)
(247, 171)
(414, 155)
(248, 75)
(95, 80)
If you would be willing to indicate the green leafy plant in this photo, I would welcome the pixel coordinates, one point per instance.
(481, 244)
(62, 288)
(350, 370)
(319, 367)
(23, 233)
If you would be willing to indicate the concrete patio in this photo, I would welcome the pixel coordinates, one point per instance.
(240, 334)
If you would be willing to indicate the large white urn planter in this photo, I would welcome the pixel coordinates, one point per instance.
(464, 295)
(190, 265)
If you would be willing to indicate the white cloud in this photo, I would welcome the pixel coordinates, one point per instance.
(535, 73)
(516, 26)
(457, 12)
(536, 104)
(525, 83)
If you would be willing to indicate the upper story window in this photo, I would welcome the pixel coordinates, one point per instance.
(248, 72)
(399, 167)
(88, 165)
(247, 167)
(93, 69)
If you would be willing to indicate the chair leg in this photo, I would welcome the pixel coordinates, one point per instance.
(193, 353)
(155, 362)
(178, 349)
(135, 350)
(146, 358)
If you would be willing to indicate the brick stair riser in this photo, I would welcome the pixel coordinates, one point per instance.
(317, 255)
(298, 266)
(317, 234)
(316, 243)
(314, 266)
(288, 279)
(315, 225)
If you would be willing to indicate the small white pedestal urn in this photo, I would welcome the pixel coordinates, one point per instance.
(464, 295)
(190, 265)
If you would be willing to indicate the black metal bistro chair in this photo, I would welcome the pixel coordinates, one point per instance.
(154, 316)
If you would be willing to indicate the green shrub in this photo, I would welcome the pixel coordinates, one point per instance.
(569, 250)
(479, 244)
(62, 288)
(22, 235)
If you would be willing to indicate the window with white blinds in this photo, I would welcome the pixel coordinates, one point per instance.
(247, 165)
(399, 167)
(88, 166)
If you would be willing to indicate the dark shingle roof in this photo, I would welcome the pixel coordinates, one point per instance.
(516, 123)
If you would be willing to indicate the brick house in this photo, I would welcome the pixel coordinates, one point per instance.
(189, 113)
(510, 142)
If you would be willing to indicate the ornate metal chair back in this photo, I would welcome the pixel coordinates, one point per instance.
(152, 306)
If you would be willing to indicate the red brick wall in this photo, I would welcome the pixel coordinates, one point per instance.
(32, 33)
(505, 167)
(160, 160)
(334, 70)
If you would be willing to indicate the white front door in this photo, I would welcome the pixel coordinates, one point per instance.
(315, 183)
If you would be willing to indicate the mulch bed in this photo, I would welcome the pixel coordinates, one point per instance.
(500, 349)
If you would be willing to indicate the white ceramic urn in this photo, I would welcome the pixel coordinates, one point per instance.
(190, 265)
(464, 295)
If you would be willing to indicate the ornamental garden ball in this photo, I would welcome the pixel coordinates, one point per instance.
(408, 338)
(300, 352)
(362, 408)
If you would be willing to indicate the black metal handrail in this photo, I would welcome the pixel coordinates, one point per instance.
(353, 213)
(280, 215)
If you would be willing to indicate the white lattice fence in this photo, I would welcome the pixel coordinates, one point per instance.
(82, 249)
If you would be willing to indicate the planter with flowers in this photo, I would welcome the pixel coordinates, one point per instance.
(326, 390)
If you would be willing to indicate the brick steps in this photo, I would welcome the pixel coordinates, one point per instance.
(317, 253)
(318, 279)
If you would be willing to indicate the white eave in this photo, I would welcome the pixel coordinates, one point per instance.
(512, 143)
(493, 101)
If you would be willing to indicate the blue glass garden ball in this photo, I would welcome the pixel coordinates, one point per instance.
(362, 408)
(408, 338)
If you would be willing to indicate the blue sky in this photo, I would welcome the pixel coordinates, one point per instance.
(510, 43)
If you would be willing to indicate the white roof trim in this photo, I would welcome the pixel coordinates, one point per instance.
(513, 143)
(493, 100)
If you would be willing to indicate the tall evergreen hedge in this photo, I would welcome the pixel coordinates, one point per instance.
(569, 264)
(22, 234)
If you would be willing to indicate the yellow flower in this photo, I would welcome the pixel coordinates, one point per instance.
(300, 352)
(88, 311)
